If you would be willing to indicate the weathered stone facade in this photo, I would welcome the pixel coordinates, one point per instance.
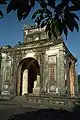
(38, 66)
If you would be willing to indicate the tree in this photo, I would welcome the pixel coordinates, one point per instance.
(57, 18)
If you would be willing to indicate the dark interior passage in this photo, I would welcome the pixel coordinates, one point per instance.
(32, 76)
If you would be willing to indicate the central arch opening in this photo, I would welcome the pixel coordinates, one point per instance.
(28, 73)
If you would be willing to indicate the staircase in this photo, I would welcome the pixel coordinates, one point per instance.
(43, 101)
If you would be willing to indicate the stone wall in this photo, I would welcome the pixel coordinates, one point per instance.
(53, 56)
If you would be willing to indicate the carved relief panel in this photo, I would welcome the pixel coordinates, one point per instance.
(52, 72)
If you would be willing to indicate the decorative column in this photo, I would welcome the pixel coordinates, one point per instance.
(76, 90)
(18, 81)
(41, 72)
(25, 82)
(37, 83)
(6, 76)
(52, 59)
(62, 75)
(73, 78)
(14, 74)
(57, 76)
(68, 76)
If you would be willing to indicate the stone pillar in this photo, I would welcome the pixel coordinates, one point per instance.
(16, 72)
(62, 75)
(42, 73)
(57, 76)
(15, 75)
(25, 82)
(18, 81)
(75, 82)
(6, 78)
(68, 77)
(45, 74)
(2, 72)
(72, 79)
(52, 74)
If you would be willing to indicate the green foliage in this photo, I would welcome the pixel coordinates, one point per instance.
(58, 18)
(58, 21)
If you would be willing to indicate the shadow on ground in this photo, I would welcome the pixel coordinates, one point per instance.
(48, 114)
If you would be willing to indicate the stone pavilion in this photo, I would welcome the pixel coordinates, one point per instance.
(38, 66)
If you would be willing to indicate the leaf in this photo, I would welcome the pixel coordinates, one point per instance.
(2, 1)
(19, 14)
(71, 22)
(59, 8)
(51, 29)
(68, 21)
(74, 8)
(36, 13)
(75, 2)
(39, 19)
(51, 3)
(23, 6)
(75, 16)
(48, 12)
(54, 29)
(65, 1)
(59, 26)
(43, 24)
(32, 2)
(13, 5)
(65, 31)
(54, 33)
(76, 25)
(25, 14)
(70, 26)
(1, 14)
(42, 3)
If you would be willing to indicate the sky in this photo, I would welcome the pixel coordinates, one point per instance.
(11, 32)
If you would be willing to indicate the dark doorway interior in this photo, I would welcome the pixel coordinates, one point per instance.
(32, 76)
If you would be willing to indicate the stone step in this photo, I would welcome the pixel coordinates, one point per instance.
(41, 102)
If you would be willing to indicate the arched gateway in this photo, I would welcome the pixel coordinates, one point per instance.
(28, 76)
(38, 66)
